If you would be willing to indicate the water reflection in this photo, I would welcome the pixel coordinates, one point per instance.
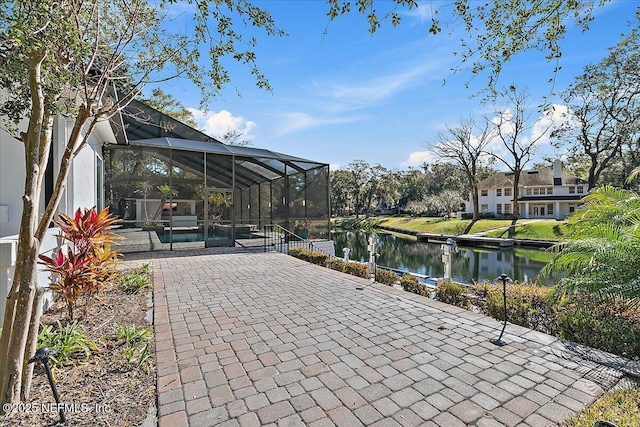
(470, 264)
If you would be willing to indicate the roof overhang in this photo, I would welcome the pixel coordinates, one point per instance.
(559, 198)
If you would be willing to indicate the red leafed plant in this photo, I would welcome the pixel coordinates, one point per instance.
(90, 261)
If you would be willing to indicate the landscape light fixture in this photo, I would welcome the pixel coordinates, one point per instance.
(42, 355)
(504, 278)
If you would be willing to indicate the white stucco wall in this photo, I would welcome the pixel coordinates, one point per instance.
(80, 191)
(11, 181)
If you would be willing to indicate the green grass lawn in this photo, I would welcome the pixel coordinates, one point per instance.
(546, 230)
(440, 225)
(621, 407)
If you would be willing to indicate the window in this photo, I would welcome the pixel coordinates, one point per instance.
(550, 209)
(507, 208)
(507, 191)
(580, 189)
(572, 190)
(499, 208)
(572, 208)
(536, 191)
(484, 193)
(498, 192)
(529, 191)
(549, 190)
(484, 208)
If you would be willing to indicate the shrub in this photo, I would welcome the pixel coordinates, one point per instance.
(336, 264)
(612, 326)
(319, 258)
(410, 283)
(454, 294)
(133, 282)
(530, 306)
(315, 257)
(89, 263)
(357, 269)
(136, 341)
(145, 268)
(386, 277)
(300, 252)
(71, 343)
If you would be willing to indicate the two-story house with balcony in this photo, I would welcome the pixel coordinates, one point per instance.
(544, 193)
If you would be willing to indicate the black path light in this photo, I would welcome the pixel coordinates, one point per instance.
(504, 278)
(42, 355)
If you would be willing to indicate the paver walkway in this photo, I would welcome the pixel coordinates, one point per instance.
(248, 339)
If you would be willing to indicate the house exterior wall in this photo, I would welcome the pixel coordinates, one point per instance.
(12, 177)
(81, 191)
(535, 201)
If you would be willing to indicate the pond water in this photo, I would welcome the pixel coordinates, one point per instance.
(470, 264)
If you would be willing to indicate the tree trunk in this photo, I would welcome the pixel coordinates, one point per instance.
(21, 321)
(516, 181)
(476, 203)
(17, 319)
(32, 341)
(17, 323)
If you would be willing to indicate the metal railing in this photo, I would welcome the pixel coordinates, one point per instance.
(279, 239)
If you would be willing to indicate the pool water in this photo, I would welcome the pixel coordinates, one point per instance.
(180, 237)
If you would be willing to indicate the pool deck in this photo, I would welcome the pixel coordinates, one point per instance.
(250, 339)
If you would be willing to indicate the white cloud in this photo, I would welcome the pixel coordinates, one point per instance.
(357, 95)
(217, 124)
(417, 158)
(295, 121)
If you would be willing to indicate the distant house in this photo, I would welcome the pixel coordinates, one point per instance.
(544, 193)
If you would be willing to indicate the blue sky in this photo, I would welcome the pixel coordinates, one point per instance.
(348, 95)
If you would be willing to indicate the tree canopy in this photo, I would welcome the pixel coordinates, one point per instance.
(495, 31)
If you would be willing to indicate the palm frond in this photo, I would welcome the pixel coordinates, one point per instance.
(603, 254)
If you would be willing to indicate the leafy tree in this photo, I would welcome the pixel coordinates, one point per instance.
(389, 189)
(468, 151)
(496, 31)
(450, 201)
(339, 192)
(514, 129)
(358, 174)
(169, 105)
(234, 137)
(444, 176)
(413, 186)
(604, 110)
(428, 206)
(65, 58)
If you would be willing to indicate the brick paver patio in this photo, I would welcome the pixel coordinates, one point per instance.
(249, 339)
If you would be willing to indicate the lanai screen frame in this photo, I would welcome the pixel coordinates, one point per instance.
(268, 187)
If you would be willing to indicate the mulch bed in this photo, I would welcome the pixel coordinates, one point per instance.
(106, 390)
